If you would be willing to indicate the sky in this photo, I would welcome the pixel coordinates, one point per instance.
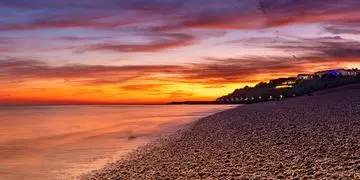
(141, 51)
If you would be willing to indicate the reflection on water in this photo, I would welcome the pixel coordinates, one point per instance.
(62, 142)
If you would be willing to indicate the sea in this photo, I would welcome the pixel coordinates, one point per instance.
(64, 142)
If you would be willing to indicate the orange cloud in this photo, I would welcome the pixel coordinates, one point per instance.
(35, 81)
(142, 87)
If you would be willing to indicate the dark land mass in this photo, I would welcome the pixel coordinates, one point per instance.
(282, 88)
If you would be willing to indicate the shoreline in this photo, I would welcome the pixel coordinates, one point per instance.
(169, 133)
(313, 137)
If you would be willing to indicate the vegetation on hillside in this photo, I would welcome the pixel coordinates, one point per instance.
(271, 91)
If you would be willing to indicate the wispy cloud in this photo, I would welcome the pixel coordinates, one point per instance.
(344, 27)
(320, 48)
(303, 53)
(168, 41)
(141, 87)
(176, 15)
(84, 74)
(173, 19)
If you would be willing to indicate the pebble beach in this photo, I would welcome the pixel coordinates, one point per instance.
(308, 137)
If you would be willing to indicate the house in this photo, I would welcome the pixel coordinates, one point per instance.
(335, 72)
(305, 76)
(339, 72)
(350, 72)
(288, 83)
(283, 82)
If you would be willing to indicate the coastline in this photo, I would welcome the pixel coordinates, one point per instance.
(78, 139)
(311, 136)
(156, 140)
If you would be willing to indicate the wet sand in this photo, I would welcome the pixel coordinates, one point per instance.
(309, 137)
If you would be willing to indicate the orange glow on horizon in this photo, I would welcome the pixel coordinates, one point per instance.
(138, 92)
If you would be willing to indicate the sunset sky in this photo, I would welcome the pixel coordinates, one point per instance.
(156, 51)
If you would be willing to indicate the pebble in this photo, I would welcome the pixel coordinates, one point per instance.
(299, 138)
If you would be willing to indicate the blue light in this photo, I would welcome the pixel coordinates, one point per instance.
(334, 73)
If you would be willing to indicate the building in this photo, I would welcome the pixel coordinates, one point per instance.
(339, 72)
(335, 72)
(288, 83)
(305, 76)
(350, 72)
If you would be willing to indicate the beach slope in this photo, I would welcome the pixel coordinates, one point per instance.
(311, 136)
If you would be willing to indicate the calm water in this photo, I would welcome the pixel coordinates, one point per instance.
(63, 142)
